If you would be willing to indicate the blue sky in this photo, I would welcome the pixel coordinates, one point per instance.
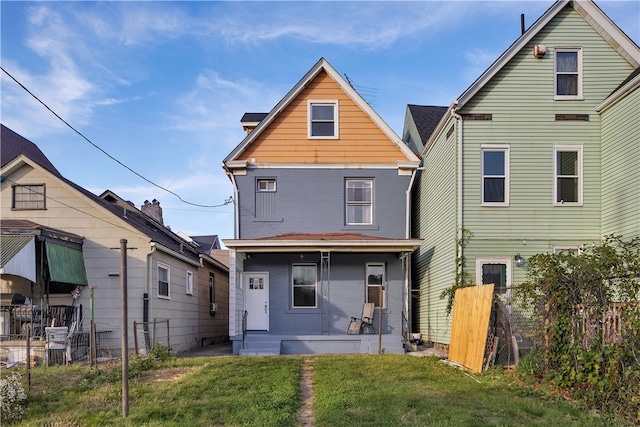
(161, 86)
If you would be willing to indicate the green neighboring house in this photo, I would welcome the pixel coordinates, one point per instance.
(540, 154)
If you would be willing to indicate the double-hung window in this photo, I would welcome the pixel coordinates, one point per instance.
(567, 170)
(495, 175)
(29, 197)
(359, 201)
(212, 294)
(376, 284)
(568, 73)
(305, 284)
(323, 119)
(164, 281)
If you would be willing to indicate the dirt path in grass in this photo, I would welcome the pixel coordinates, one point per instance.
(305, 413)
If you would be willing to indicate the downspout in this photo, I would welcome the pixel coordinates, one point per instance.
(146, 299)
(236, 215)
(459, 202)
(406, 260)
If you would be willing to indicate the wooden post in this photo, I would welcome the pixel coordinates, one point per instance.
(168, 340)
(380, 301)
(125, 335)
(135, 336)
(29, 359)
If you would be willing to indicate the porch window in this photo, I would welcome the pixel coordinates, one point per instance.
(305, 284)
(376, 284)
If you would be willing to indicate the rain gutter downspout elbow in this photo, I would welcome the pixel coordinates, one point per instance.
(236, 218)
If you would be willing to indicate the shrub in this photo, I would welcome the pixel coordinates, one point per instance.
(13, 399)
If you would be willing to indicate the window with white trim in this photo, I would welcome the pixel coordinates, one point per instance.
(567, 175)
(568, 73)
(496, 270)
(359, 201)
(495, 175)
(29, 197)
(323, 119)
(376, 284)
(189, 282)
(164, 285)
(266, 185)
(575, 249)
(304, 280)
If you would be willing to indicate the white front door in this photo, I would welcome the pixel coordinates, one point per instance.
(257, 294)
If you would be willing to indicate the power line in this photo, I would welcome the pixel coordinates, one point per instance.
(226, 202)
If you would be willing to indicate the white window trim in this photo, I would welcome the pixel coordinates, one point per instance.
(384, 281)
(347, 204)
(579, 96)
(267, 190)
(336, 115)
(309, 264)
(189, 282)
(168, 268)
(495, 147)
(578, 149)
(560, 248)
(508, 261)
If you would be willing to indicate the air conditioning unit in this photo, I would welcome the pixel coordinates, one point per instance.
(213, 308)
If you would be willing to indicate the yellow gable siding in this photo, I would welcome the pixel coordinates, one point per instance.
(286, 141)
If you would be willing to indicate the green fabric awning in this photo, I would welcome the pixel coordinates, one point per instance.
(66, 265)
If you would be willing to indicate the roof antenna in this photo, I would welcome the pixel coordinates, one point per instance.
(522, 23)
(367, 93)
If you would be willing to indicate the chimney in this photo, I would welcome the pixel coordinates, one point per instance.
(153, 210)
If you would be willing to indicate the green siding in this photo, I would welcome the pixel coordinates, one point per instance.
(520, 99)
(435, 222)
(621, 167)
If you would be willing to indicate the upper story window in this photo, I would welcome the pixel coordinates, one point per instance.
(212, 294)
(568, 73)
(266, 185)
(323, 119)
(29, 197)
(495, 175)
(359, 201)
(567, 170)
(163, 281)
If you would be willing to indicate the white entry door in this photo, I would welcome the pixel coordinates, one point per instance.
(257, 299)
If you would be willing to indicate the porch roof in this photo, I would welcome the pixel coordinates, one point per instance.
(329, 242)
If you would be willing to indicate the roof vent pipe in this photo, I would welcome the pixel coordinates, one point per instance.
(522, 23)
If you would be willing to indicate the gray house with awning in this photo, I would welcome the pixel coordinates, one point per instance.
(60, 254)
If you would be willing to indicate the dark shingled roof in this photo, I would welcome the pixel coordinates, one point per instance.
(426, 118)
(253, 117)
(627, 80)
(14, 145)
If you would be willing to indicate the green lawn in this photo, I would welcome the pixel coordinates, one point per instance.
(353, 390)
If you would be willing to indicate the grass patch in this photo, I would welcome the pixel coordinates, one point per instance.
(363, 390)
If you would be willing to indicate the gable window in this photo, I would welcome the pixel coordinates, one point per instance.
(323, 119)
(359, 201)
(29, 197)
(189, 282)
(212, 294)
(567, 175)
(376, 284)
(568, 73)
(495, 175)
(494, 270)
(304, 278)
(266, 185)
(163, 281)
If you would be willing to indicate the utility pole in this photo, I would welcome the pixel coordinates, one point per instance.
(125, 335)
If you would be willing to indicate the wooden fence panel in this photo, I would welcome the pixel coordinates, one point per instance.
(471, 312)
